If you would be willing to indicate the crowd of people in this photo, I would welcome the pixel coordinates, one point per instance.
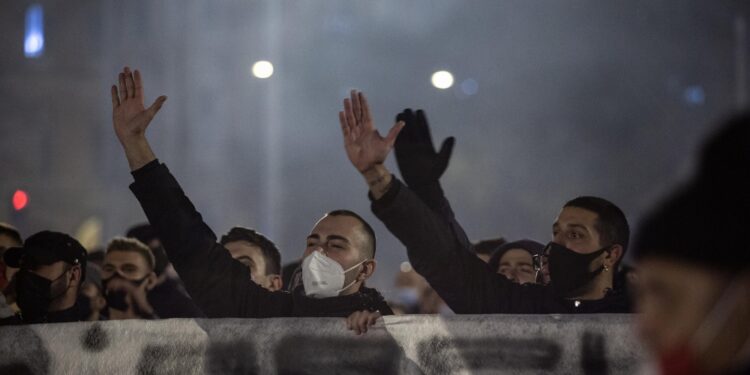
(689, 283)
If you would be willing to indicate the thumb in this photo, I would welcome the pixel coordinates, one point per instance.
(156, 106)
(444, 155)
(390, 139)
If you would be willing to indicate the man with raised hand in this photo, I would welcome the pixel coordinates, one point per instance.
(339, 256)
(590, 234)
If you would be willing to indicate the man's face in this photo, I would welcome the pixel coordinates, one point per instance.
(670, 312)
(128, 264)
(575, 228)
(252, 257)
(518, 266)
(7, 242)
(341, 238)
(58, 273)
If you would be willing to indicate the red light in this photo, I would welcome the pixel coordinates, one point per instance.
(20, 200)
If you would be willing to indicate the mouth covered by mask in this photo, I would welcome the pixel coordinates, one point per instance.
(569, 270)
(116, 299)
(323, 277)
(34, 295)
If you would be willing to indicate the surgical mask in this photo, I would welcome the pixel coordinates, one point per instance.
(323, 277)
(34, 295)
(569, 270)
(684, 359)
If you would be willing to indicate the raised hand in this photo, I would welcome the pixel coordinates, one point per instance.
(129, 115)
(131, 118)
(365, 147)
(419, 163)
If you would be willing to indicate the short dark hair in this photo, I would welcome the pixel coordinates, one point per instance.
(488, 246)
(370, 233)
(134, 246)
(267, 247)
(611, 224)
(11, 231)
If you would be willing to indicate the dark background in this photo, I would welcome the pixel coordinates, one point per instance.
(574, 98)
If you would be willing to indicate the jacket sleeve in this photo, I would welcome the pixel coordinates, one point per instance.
(219, 285)
(434, 197)
(436, 253)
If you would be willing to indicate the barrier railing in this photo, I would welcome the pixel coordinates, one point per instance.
(411, 344)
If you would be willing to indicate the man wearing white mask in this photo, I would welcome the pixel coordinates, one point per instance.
(339, 255)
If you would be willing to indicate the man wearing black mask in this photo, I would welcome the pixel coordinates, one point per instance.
(52, 267)
(339, 256)
(590, 234)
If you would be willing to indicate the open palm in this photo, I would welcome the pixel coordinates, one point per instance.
(364, 145)
(129, 115)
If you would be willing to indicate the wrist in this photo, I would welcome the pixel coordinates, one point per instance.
(378, 178)
(137, 151)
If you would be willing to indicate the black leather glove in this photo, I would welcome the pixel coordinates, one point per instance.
(417, 160)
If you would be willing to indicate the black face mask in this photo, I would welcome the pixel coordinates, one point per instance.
(34, 295)
(569, 270)
(116, 299)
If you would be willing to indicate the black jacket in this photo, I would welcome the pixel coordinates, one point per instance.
(439, 251)
(76, 313)
(220, 285)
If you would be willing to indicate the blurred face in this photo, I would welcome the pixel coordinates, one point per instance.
(5, 243)
(252, 257)
(129, 265)
(517, 265)
(340, 238)
(670, 310)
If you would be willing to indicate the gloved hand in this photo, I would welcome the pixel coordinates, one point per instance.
(417, 160)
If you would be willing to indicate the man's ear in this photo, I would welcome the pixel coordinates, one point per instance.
(75, 275)
(368, 269)
(612, 256)
(151, 280)
(275, 283)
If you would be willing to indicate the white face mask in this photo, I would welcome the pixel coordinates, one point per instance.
(323, 277)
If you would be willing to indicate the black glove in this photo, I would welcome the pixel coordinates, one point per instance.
(417, 160)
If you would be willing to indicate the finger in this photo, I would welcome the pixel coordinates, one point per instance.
(349, 322)
(129, 83)
(138, 84)
(366, 119)
(446, 149)
(115, 97)
(363, 323)
(356, 105)
(374, 318)
(156, 106)
(390, 139)
(123, 90)
(344, 126)
(422, 130)
(351, 120)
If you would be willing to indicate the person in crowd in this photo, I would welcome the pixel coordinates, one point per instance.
(259, 254)
(590, 234)
(693, 292)
(485, 248)
(338, 258)
(51, 268)
(127, 277)
(9, 237)
(410, 288)
(91, 294)
(168, 297)
(516, 261)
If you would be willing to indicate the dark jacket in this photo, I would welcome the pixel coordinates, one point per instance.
(220, 285)
(439, 251)
(170, 301)
(76, 313)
